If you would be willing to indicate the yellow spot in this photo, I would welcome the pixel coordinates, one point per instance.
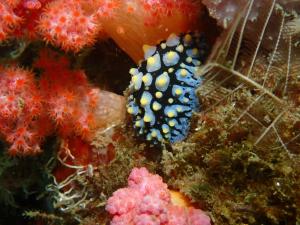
(170, 100)
(138, 123)
(171, 55)
(165, 130)
(147, 118)
(179, 109)
(135, 78)
(189, 59)
(151, 61)
(179, 48)
(185, 100)
(154, 133)
(144, 101)
(158, 94)
(146, 78)
(172, 123)
(156, 106)
(188, 38)
(130, 110)
(171, 70)
(183, 72)
(133, 71)
(171, 114)
(178, 91)
(162, 80)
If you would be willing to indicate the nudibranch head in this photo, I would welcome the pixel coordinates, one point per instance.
(162, 94)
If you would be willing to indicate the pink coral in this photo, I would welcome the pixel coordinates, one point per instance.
(147, 201)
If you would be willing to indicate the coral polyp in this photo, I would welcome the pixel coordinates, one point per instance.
(162, 90)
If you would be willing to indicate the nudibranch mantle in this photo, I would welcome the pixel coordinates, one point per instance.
(162, 94)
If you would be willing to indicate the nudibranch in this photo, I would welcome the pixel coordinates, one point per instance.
(162, 94)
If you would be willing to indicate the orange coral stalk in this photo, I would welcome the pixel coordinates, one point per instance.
(137, 22)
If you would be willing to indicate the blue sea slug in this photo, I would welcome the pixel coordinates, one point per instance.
(162, 94)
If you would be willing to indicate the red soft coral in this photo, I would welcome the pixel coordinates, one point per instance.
(30, 12)
(69, 98)
(147, 201)
(19, 18)
(9, 21)
(22, 120)
(69, 24)
(62, 98)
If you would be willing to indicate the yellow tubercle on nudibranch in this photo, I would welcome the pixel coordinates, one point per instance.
(162, 94)
(158, 94)
(162, 81)
(156, 106)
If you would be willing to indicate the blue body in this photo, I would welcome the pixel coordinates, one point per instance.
(162, 89)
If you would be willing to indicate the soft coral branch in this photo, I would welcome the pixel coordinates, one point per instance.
(21, 111)
(9, 21)
(69, 24)
(61, 99)
(19, 18)
(71, 101)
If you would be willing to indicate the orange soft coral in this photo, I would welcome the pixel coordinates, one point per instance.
(134, 23)
(22, 120)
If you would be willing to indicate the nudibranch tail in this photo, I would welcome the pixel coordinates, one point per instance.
(162, 94)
